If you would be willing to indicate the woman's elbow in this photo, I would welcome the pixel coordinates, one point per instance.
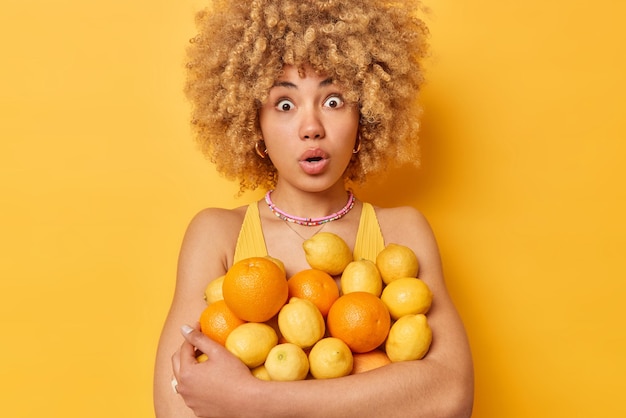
(460, 399)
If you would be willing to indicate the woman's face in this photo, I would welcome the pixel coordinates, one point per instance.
(308, 129)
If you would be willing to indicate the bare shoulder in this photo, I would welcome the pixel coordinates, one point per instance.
(403, 224)
(211, 237)
(218, 220)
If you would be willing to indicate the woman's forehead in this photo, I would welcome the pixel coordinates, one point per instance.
(293, 73)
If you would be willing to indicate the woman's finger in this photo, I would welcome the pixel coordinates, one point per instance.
(195, 339)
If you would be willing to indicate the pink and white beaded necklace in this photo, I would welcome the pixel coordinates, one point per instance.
(309, 221)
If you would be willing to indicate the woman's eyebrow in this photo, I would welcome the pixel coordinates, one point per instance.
(290, 85)
(286, 84)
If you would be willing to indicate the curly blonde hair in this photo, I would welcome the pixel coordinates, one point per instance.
(372, 48)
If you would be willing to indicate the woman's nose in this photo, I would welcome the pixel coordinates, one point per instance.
(311, 126)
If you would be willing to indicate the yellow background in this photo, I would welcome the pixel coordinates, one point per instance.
(523, 178)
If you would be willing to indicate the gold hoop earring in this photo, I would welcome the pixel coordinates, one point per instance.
(357, 147)
(257, 148)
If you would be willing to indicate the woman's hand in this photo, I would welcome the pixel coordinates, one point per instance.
(214, 387)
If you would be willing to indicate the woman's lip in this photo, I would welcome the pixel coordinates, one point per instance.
(313, 167)
(317, 154)
(314, 161)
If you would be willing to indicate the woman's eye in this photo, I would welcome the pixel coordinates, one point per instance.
(284, 105)
(334, 102)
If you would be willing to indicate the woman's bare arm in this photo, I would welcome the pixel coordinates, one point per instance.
(203, 257)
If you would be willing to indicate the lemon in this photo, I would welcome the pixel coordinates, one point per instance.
(202, 358)
(361, 276)
(251, 342)
(278, 262)
(329, 358)
(300, 322)
(287, 362)
(409, 338)
(407, 296)
(260, 372)
(327, 252)
(396, 261)
(213, 291)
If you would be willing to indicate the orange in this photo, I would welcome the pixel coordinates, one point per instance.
(217, 321)
(278, 262)
(360, 319)
(255, 289)
(363, 362)
(316, 286)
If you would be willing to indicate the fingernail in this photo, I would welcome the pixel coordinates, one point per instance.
(186, 329)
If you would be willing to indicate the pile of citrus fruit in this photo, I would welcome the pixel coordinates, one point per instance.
(303, 326)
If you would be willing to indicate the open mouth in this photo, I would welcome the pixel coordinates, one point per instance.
(314, 162)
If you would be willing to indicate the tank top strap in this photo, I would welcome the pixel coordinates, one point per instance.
(250, 242)
(369, 238)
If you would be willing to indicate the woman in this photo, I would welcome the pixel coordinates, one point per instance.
(302, 98)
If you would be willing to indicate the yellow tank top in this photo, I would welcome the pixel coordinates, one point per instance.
(251, 243)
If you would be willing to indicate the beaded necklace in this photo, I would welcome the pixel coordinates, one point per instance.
(309, 221)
